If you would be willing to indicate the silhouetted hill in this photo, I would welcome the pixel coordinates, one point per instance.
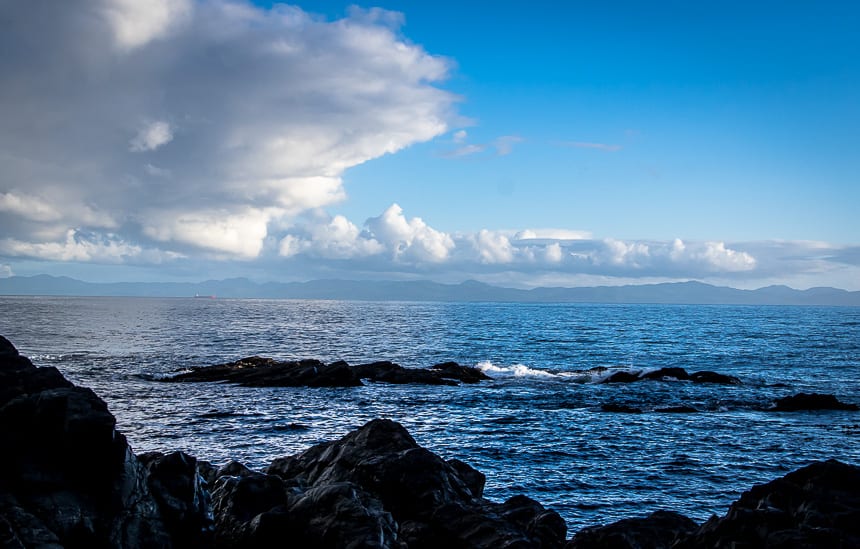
(670, 292)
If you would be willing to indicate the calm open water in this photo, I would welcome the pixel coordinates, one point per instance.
(536, 429)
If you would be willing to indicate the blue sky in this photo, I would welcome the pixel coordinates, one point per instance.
(537, 143)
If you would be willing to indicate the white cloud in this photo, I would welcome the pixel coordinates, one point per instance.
(552, 234)
(553, 253)
(410, 239)
(725, 259)
(493, 247)
(393, 242)
(75, 247)
(135, 23)
(460, 136)
(6, 271)
(272, 106)
(29, 207)
(238, 233)
(151, 136)
(339, 238)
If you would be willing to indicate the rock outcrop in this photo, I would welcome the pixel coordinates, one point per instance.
(659, 530)
(678, 374)
(258, 371)
(68, 478)
(376, 487)
(811, 401)
(816, 506)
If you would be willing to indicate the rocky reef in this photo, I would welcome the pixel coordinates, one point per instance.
(258, 371)
(68, 478)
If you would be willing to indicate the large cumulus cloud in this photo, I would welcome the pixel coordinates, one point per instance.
(190, 127)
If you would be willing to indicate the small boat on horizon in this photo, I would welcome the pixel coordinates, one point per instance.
(205, 296)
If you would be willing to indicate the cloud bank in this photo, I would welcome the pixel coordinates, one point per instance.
(194, 127)
(187, 133)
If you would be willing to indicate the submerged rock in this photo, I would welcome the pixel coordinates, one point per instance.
(679, 374)
(258, 371)
(620, 408)
(811, 401)
(676, 410)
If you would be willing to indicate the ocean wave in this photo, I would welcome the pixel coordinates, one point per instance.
(523, 371)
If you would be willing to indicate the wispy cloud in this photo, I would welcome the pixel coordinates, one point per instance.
(608, 147)
(502, 145)
(505, 144)
(465, 150)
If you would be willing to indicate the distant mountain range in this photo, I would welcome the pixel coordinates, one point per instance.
(670, 292)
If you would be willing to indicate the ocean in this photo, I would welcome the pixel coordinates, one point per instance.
(537, 428)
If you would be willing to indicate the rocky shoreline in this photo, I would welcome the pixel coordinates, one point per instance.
(68, 478)
(256, 371)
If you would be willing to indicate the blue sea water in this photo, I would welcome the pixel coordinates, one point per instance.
(537, 428)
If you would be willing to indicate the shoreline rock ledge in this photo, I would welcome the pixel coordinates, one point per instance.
(68, 478)
(256, 371)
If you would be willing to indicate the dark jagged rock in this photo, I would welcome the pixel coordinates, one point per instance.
(667, 373)
(388, 372)
(258, 371)
(435, 502)
(714, 377)
(811, 401)
(67, 477)
(673, 373)
(816, 506)
(181, 495)
(659, 530)
(466, 374)
(623, 377)
(619, 408)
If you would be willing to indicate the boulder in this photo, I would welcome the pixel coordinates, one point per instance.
(667, 373)
(811, 401)
(706, 376)
(465, 374)
(67, 477)
(435, 502)
(672, 373)
(182, 495)
(622, 377)
(659, 530)
(815, 506)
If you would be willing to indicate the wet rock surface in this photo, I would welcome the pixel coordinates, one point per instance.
(659, 530)
(816, 506)
(677, 374)
(69, 479)
(811, 401)
(258, 371)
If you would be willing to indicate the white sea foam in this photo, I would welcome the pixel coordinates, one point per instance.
(521, 370)
(516, 370)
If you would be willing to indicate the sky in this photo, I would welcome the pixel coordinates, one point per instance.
(517, 143)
